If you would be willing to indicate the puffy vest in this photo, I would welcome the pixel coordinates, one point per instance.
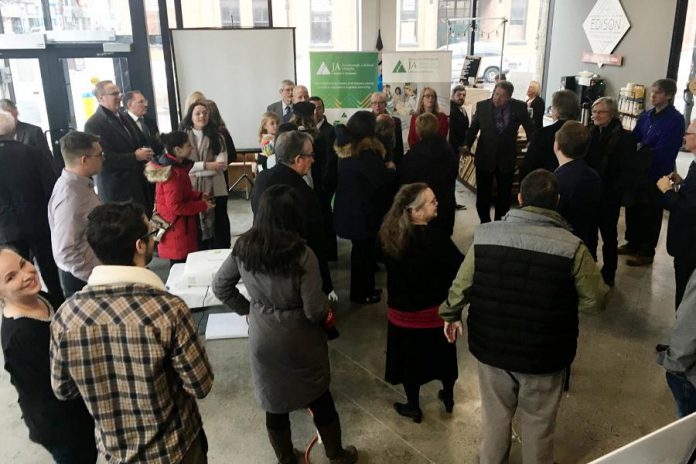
(523, 315)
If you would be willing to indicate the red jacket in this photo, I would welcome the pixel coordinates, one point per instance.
(178, 204)
(443, 128)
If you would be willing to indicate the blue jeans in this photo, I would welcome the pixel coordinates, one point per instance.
(684, 394)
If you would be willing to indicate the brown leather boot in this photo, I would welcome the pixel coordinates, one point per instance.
(337, 454)
(281, 441)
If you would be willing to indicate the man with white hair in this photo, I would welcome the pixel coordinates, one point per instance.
(26, 182)
(283, 107)
(300, 94)
(29, 133)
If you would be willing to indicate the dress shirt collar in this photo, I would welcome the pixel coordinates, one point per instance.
(321, 123)
(110, 275)
(133, 117)
(82, 180)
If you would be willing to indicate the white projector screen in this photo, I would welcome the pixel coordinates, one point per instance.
(240, 69)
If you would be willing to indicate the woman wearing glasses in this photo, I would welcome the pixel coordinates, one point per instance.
(175, 199)
(209, 156)
(64, 428)
(427, 103)
(421, 263)
(612, 153)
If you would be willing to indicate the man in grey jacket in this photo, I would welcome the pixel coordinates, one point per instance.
(679, 357)
(525, 278)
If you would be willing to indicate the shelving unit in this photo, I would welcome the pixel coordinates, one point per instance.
(631, 104)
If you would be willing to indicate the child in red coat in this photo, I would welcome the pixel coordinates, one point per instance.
(175, 199)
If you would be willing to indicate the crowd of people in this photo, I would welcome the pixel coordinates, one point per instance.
(107, 362)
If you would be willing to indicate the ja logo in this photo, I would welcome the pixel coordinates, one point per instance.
(323, 70)
(399, 68)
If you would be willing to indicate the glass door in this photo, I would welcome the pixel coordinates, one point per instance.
(21, 83)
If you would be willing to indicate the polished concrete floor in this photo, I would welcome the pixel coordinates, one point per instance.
(617, 391)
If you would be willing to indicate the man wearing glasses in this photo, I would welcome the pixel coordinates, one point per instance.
(679, 197)
(72, 200)
(122, 177)
(130, 349)
(378, 101)
(295, 156)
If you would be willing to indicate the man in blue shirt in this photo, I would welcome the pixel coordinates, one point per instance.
(659, 131)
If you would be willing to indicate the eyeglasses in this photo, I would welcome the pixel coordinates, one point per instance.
(100, 155)
(599, 111)
(429, 96)
(153, 233)
(114, 94)
(378, 103)
(309, 155)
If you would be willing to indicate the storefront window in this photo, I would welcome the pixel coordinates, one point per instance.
(157, 65)
(229, 11)
(95, 21)
(408, 22)
(320, 14)
(224, 13)
(22, 16)
(684, 100)
(318, 33)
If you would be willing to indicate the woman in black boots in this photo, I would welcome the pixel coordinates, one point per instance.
(421, 263)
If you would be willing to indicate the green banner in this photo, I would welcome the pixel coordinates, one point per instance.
(344, 79)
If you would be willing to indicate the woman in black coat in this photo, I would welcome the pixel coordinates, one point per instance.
(432, 161)
(363, 194)
(64, 428)
(421, 263)
(612, 153)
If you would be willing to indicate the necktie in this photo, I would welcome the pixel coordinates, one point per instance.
(143, 127)
(286, 114)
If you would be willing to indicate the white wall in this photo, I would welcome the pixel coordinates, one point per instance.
(645, 47)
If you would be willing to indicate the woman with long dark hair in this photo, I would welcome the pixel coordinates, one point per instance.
(209, 158)
(363, 194)
(175, 199)
(287, 312)
(421, 263)
(64, 428)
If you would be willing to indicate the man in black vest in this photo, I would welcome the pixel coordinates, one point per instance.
(525, 278)
(125, 156)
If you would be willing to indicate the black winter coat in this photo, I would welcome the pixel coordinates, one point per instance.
(433, 162)
(364, 191)
(540, 154)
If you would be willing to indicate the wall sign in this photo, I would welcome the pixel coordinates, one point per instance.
(605, 26)
(602, 59)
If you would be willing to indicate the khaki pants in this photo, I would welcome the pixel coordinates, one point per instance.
(535, 397)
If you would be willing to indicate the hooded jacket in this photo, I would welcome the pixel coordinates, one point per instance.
(177, 203)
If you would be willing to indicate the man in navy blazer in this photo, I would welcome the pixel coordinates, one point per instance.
(579, 186)
(498, 120)
(122, 177)
(679, 197)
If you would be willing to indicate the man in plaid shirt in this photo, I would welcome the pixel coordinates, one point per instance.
(131, 350)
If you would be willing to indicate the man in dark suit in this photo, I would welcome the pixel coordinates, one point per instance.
(295, 156)
(135, 106)
(565, 106)
(378, 101)
(30, 134)
(125, 155)
(579, 186)
(498, 120)
(283, 107)
(459, 121)
(679, 197)
(26, 183)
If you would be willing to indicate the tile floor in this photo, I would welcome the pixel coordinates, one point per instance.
(617, 393)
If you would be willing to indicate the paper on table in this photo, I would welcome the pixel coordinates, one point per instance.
(226, 325)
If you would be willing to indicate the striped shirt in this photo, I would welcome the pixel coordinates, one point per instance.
(131, 350)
